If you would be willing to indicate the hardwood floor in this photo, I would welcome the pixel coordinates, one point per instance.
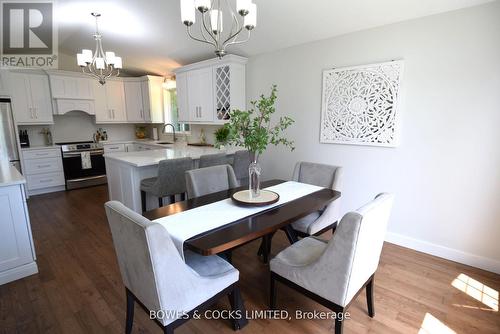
(79, 289)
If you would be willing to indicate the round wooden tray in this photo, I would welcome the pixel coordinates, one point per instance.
(266, 197)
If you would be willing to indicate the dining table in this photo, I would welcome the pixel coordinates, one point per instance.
(262, 224)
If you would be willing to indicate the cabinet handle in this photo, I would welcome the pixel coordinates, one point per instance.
(36, 113)
(200, 112)
(41, 154)
(31, 112)
(109, 113)
(46, 180)
(43, 166)
(113, 113)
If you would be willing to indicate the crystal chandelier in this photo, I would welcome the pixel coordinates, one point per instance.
(211, 25)
(101, 65)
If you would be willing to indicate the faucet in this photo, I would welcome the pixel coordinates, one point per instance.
(173, 129)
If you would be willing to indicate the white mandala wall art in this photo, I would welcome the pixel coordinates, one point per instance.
(360, 104)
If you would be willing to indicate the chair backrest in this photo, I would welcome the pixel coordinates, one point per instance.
(150, 265)
(171, 180)
(320, 175)
(210, 160)
(204, 181)
(353, 253)
(241, 162)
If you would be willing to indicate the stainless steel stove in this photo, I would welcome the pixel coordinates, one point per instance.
(79, 174)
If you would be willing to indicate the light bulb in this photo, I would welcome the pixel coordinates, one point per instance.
(99, 63)
(243, 6)
(216, 20)
(188, 12)
(250, 21)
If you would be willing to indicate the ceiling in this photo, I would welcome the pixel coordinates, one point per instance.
(150, 37)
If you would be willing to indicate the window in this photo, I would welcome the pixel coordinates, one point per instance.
(171, 113)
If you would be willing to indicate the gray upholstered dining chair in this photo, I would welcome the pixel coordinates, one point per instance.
(209, 160)
(169, 182)
(204, 181)
(333, 273)
(323, 176)
(156, 277)
(241, 161)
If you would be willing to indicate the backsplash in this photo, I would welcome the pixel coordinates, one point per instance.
(76, 126)
(194, 135)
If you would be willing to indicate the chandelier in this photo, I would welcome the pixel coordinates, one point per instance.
(211, 22)
(101, 65)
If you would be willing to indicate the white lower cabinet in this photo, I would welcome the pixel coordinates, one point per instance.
(17, 253)
(110, 148)
(43, 170)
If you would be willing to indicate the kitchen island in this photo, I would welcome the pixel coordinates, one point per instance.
(17, 251)
(125, 170)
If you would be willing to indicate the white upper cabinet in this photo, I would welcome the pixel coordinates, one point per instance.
(182, 96)
(207, 91)
(144, 99)
(71, 87)
(133, 101)
(200, 95)
(31, 100)
(109, 101)
(3, 86)
(115, 99)
(152, 93)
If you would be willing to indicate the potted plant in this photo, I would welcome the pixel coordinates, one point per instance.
(252, 129)
(221, 136)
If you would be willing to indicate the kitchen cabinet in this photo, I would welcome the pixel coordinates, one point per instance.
(144, 99)
(70, 86)
(43, 170)
(3, 87)
(31, 102)
(17, 252)
(110, 102)
(200, 96)
(134, 102)
(110, 148)
(207, 91)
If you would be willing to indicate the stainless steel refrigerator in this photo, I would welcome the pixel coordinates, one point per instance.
(8, 142)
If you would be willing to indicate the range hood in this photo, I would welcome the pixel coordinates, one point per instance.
(63, 106)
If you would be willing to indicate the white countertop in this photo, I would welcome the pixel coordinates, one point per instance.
(41, 147)
(9, 175)
(153, 157)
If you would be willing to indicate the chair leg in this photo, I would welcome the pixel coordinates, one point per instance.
(168, 330)
(272, 293)
(130, 312)
(369, 298)
(143, 200)
(339, 326)
(261, 248)
(237, 305)
(290, 234)
(160, 201)
(183, 196)
(172, 199)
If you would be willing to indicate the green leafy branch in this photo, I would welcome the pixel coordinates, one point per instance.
(252, 129)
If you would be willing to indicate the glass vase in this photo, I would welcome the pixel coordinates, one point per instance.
(254, 171)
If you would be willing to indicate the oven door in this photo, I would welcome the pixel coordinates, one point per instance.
(77, 177)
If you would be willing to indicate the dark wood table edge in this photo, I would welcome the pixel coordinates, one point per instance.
(211, 198)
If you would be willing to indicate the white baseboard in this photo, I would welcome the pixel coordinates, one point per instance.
(444, 252)
(18, 272)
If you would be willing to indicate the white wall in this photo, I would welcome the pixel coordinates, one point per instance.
(446, 172)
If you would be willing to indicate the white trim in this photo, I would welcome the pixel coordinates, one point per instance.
(18, 272)
(46, 190)
(444, 252)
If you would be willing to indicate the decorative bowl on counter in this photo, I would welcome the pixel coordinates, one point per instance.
(140, 132)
